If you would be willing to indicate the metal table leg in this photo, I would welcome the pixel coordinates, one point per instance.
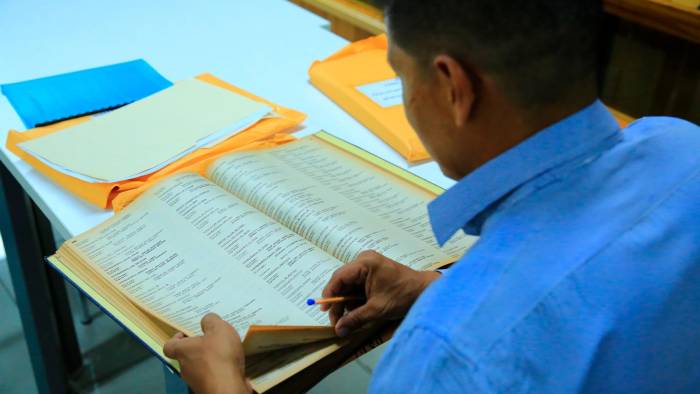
(59, 297)
(85, 317)
(41, 298)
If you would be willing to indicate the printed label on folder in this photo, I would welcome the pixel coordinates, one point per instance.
(386, 93)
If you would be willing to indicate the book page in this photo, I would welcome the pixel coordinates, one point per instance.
(269, 369)
(263, 339)
(337, 201)
(187, 247)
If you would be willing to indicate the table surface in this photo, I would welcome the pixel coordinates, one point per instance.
(264, 46)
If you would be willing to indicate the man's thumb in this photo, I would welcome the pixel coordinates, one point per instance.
(209, 323)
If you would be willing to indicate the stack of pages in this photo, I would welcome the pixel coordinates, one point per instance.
(143, 137)
(252, 240)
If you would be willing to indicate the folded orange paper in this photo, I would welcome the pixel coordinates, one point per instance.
(359, 64)
(269, 131)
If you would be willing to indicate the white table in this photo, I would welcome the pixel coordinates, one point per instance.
(264, 46)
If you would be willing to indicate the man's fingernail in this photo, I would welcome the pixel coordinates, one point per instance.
(343, 332)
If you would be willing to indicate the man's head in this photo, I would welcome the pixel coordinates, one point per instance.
(480, 76)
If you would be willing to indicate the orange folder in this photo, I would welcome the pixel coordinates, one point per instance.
(266, 133)
(357, 64)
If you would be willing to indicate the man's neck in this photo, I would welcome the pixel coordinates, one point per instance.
(507, 127)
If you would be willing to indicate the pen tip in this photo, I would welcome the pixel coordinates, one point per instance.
(310, 301)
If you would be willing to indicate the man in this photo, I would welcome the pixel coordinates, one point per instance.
(586, 277)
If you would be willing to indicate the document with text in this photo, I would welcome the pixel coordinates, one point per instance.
(251, 241)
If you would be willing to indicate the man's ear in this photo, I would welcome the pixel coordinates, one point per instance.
(458, 85)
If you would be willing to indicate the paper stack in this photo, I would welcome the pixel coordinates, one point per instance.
(145, 136)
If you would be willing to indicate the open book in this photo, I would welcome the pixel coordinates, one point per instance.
(252, 241)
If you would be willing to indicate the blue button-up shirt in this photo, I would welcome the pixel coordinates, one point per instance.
(586, 277)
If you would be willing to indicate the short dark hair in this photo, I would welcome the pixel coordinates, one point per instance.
(538, 50)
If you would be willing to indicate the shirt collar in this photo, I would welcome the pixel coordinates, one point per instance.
(548, 148)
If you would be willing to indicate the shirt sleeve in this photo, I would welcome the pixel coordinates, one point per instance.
(420, 361)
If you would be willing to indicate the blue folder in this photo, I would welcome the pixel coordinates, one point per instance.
(47, 100)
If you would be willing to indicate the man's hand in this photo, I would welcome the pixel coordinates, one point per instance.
(390, 289)
(213, 363)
